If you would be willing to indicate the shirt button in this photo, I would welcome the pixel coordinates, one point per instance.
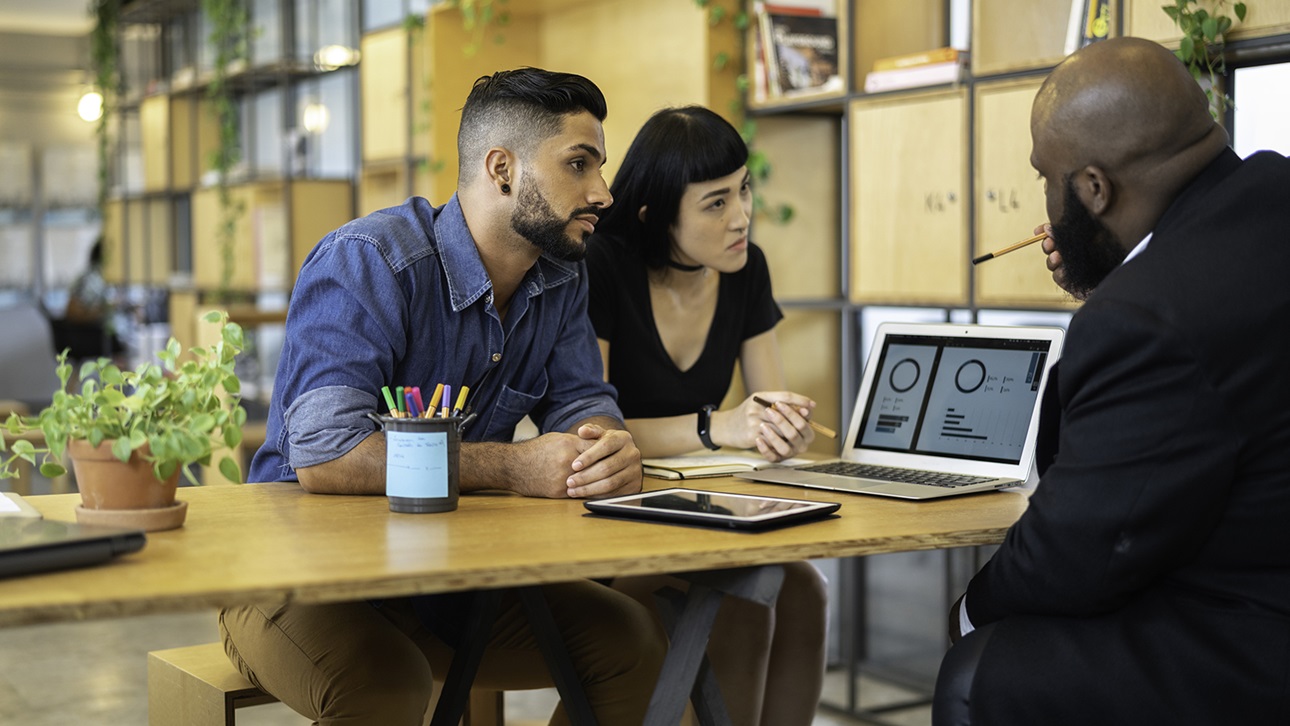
(497, 357)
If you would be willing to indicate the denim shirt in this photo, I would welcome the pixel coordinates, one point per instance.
(401, 298)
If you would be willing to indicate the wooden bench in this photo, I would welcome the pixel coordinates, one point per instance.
(198, 686)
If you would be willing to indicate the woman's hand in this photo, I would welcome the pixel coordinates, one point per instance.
(778, 432)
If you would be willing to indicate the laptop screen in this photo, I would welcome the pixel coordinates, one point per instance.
(966, 398)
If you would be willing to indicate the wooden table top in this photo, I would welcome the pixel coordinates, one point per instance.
(272, 542)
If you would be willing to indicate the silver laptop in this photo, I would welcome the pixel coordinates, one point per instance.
(943, 409)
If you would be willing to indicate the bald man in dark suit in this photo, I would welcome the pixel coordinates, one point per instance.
(1149, 580)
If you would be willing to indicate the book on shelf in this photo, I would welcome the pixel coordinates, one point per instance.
(799, 51)
(1090, 21)
(704, 465)
(921, 58)
(929, 74)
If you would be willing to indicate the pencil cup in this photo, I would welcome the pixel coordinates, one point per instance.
(421, 456)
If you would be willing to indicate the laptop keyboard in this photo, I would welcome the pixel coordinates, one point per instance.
(891, 473)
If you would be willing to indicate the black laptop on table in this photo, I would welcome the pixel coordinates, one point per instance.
(943, 409)
(30, 544)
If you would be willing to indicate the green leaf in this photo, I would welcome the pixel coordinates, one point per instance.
(1239, 9)
(23, 448)
(1187, 48)
(51, 470)
(96, 436)
(232, 385)
(230, 470)
(166, 468)
(232, 436)
(121, 448)
(1209, 28)
(1172, 12)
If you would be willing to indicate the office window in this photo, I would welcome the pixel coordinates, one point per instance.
(262, 118)
(384, 13)
(1052, 319)
(16, 246)
(325, 126)
(322, 24)
(180, 50)
(266, 32)
(1262, 107)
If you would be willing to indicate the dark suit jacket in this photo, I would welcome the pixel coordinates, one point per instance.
(1149, 580)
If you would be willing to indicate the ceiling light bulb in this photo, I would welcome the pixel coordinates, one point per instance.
(90, 107)
(316, 118)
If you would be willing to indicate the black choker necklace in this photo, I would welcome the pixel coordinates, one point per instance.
(683, 268)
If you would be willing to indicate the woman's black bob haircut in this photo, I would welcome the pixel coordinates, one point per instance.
(676, 147)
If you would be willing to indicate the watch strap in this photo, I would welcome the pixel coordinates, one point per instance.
(705, 426)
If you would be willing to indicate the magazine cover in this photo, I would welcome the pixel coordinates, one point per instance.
(805, 52)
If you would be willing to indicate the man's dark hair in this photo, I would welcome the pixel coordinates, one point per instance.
(518, 109)
(676, 147)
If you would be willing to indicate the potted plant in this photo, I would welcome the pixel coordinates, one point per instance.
(131, 433)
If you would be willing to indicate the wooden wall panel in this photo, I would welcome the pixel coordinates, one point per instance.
(1009, 35)
(804, 254)
(1009, 199)
(909, 215)
(1146, 19)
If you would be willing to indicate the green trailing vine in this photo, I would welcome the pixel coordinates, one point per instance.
(103, 56)
(422, 120)
(229, 23)
(759, 166)
(479, 17)
(1201, 47)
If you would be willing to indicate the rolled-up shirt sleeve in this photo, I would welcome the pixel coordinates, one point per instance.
(325, 423)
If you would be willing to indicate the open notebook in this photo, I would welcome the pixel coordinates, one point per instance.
(943, 409)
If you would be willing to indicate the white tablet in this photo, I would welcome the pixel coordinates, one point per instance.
(713, 509)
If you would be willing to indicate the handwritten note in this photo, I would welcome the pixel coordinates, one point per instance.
(416, 464)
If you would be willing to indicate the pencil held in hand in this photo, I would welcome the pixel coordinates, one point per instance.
(1010, 248)
(819, 428)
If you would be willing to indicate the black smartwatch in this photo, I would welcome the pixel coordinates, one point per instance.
(705, 426)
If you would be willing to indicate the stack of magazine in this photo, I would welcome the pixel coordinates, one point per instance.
(796, 52)
(926, 68)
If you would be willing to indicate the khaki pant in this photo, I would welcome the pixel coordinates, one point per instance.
(353, 663)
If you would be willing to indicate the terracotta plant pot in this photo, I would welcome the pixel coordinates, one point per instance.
(120, 493)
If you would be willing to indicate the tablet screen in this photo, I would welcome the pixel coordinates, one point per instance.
(720, 509)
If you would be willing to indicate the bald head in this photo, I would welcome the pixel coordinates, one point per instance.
(1126, 105)
(1119, 129)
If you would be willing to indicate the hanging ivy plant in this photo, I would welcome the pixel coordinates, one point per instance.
(1201, 47)
(229, 23)
(477, 17)
(103, 56)
(759, 166)
(415, 27)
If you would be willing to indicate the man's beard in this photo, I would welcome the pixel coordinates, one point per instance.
(535, 221)
(1089, 250)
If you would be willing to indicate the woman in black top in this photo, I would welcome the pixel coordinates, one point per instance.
(678, 295)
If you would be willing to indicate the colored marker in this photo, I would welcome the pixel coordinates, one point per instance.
(416, 397)
(398, 396)
(434, 401)
(447, 399)
(411, 402)
(461, 400)
(389, 400)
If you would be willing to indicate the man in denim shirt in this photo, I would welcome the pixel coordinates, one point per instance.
(489, 291)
